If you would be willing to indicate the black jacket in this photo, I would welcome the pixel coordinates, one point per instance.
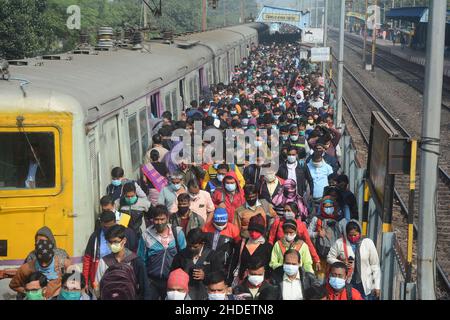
(307, 279)
(208, 262)
(264, 191)
(252, 175)
(303, 177)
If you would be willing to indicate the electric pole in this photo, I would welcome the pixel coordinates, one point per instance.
(340, 66)
(204, 8)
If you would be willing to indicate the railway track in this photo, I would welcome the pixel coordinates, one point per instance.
(367, 103)
(404, 71)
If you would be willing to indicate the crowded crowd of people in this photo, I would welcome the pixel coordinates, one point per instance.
(226, 230)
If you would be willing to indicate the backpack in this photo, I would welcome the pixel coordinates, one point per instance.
(333, 232)
(119, 281)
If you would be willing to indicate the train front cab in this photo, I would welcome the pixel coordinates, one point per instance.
(26, 205)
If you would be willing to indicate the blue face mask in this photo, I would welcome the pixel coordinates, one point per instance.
(329, 210)
(116, 183)
(290, 270)
(69, 295)
(230, 187)
(337, 283)
(176, 187)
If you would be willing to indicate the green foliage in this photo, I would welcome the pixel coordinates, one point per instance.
(33, 27)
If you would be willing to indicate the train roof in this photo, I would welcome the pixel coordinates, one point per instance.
(99, 81)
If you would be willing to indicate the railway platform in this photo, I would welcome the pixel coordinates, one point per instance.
(414, 56)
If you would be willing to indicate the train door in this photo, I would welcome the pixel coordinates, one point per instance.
(94, 161)
(36, 182)
(110, 153)
(155, 108)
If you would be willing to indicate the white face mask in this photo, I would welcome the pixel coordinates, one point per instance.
(176, 295)
(255, 280)
(220, 228)
(289, 215)
(270, 178)
(317, 164)
(289, 237)
(216, 296)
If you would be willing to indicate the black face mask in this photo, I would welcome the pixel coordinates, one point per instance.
(183, 210)
(194, 252)
(160, 227)
(252, 202)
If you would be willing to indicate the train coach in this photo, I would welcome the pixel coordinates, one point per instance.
(80, 115)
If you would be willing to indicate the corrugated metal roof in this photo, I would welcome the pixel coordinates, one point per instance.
(414, 14)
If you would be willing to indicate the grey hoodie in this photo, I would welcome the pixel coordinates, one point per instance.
(46, 232)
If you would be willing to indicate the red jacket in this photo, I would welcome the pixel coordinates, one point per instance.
(332, 295)
(276, 233)
(231, 231)
(232, 201)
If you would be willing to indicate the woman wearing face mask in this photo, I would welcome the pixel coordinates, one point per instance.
(254, 246)
(287, 195)
(324, 230)
(361, 257)
(291, 240)
(277, 231)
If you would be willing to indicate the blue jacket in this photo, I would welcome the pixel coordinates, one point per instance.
(157, 259)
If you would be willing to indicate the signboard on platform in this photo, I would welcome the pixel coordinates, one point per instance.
(389, 154)
(281, 17)
(312, 35)
(320, 54)
(374, 20)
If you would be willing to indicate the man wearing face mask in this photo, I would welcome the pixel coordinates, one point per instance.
(178, 285)
(319, 171)
(292, 278)
(72, 288)
(120, 254)
(48, 264)
(230, 196)
(320, 148)
(133, 206)
(157, 248)
(169, 194)
(115, 189)
(214, 180)
(200, 200)
(97, 246)
(293, 169)
(254, 284)
(252, 207)
(197, 261)
(186, 218)
(270, 186)
(217, 287)
(337, 286)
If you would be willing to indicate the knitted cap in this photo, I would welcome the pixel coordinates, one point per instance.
(220, 215)
(178, 278)
(257, 223)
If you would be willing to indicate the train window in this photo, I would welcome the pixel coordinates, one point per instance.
(154, 105)
(143, 124)
(134, 142)
(27, 160)
(195, 88)
(167, 102)
(174, 104)
(191, 89)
